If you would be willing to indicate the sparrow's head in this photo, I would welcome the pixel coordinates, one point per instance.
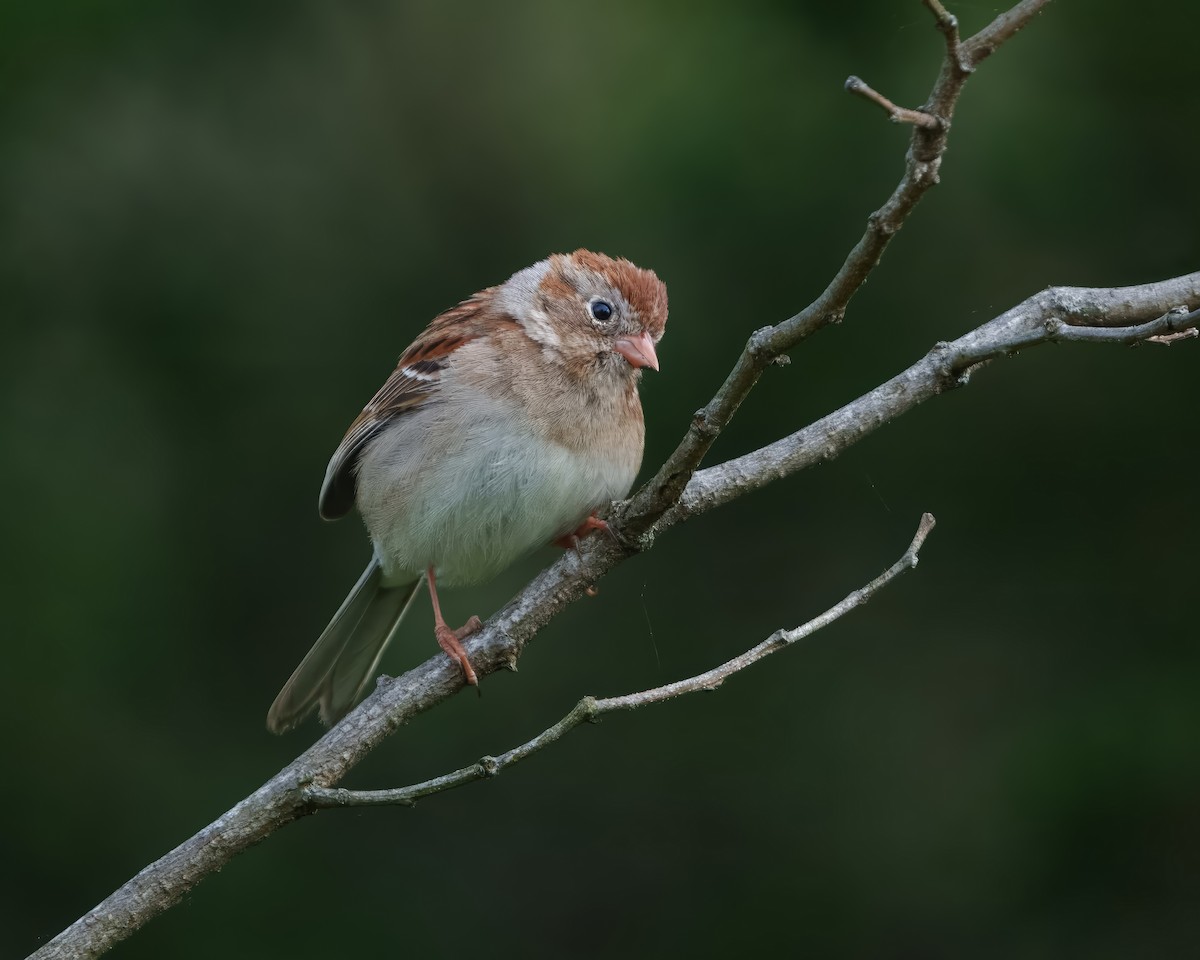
(589, 311)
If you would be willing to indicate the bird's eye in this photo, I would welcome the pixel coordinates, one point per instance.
(602, 310)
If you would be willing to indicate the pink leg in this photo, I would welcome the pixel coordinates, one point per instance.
(570, 541)
(450, 640)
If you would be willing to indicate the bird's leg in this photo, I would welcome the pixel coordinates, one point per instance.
(570, 541)
(450, 640)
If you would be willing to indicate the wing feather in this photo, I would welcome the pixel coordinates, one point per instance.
(413, 383)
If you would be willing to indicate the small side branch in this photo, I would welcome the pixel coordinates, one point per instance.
(781, 638)
(899, 114)
(321, 798)
(590, 709)
(1171, 326)
(1144, 313)
(947, 23)
(988, 40)
(1166, 339)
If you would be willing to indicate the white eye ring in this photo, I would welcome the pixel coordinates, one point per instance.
(601, 310)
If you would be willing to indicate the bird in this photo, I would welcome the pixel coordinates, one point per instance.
(509, 423)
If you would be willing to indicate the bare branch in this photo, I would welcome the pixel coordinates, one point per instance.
(325, 797)
(860, 87)
(922, 164)
(988, 40)
(500, 643)
(590, 708)
(1060, 314)
(1167, 339)
(947, 23)
(677, 492)
(781, 638)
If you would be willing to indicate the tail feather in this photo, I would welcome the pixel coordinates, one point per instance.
(342, 662)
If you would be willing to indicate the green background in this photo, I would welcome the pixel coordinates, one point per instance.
(219, 225)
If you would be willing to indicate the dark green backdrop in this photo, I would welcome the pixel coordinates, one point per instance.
(220, 225)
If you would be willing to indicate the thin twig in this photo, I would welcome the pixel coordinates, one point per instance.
(591, 708)
(922, 165)
(1170, 325)
(1185, 325)
(503, 638)
(282, 799)
(947, 23)
(1095, 315)
(1167, 339)
(898, 114)
(988, 40)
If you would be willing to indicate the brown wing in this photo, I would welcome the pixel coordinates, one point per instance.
(412, 383)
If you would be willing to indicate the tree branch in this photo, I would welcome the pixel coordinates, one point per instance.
(922, 164)
(1057, 314)
(677, 492)
(590, 709)
(947, 23)
(919, 118)
(988, 40)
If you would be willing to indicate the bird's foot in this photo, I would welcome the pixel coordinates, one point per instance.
(451, 642)
(570, 541)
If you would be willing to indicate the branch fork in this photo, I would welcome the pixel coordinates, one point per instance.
(947, 23)
(591, 709)
(918, 118)
(678, 491)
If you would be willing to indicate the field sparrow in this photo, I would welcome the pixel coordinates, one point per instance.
(507, 424)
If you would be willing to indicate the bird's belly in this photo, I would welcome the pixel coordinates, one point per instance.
(477, 499)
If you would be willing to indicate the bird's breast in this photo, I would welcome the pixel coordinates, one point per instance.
(469, 483)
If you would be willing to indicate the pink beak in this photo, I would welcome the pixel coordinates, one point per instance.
(639, 350)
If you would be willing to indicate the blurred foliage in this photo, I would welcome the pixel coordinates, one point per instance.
(219, 224)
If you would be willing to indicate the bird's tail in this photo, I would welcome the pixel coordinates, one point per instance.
(341, 663)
